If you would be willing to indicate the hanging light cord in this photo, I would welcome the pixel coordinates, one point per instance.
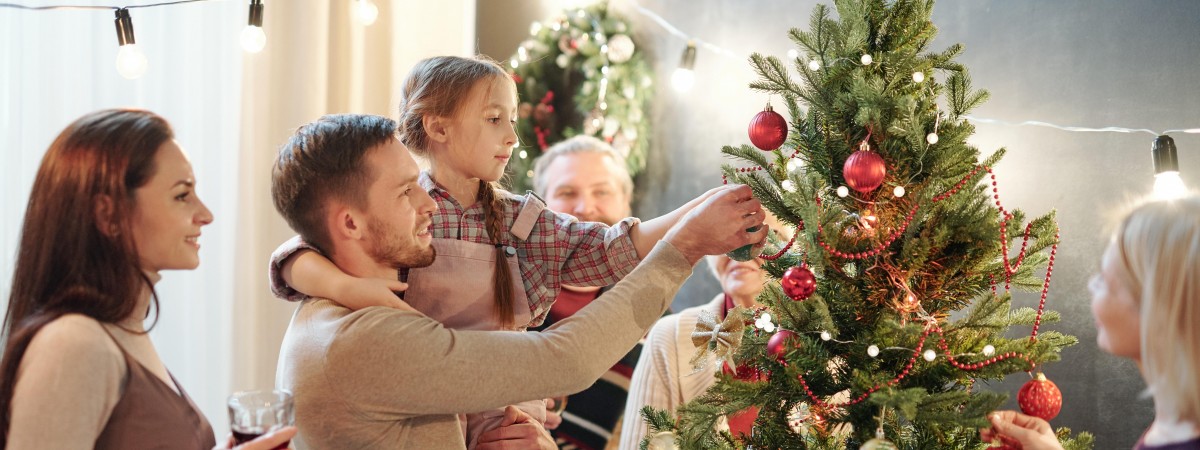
(67, 7)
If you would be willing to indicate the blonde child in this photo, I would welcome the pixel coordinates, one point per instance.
(1146, 301)
(459, 114)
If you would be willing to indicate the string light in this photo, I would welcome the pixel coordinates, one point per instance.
(1167, 183)
(366, 11)
(1171, 183)
(685, 75)
(131, 63)
(253, 37)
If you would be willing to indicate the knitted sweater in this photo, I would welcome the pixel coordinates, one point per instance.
(386, 378)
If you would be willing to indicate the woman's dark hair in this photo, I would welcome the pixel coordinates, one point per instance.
(77, 253)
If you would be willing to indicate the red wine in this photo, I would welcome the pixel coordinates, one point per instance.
(240, 438)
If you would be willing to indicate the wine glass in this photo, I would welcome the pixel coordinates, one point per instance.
(255, 413)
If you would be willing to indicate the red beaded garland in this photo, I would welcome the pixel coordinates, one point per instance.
(1010, 269)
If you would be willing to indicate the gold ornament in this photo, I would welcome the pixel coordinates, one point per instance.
(879, 442)
(720, 338)
(662, 441)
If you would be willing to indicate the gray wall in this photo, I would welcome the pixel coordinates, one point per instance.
(1084, 63)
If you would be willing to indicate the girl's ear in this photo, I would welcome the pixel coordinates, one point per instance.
(437, 128)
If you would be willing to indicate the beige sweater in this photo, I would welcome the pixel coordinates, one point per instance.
(385, 378)
(663, 377)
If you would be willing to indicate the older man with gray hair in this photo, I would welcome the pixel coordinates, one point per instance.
(585, 177)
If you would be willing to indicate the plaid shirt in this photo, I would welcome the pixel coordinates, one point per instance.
(560, 249)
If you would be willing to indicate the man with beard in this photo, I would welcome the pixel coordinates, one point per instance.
(393, 378)
(585, 177)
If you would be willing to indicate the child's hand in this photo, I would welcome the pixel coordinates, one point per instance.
(1013, 430)
(359, 293)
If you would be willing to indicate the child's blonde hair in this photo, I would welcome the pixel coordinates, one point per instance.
(439, 86)
(1159, 246)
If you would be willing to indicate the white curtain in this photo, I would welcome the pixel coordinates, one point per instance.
(219, 329)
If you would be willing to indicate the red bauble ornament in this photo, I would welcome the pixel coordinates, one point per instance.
(745, 372)
(864, 171)
(799, 282)
(1040, 397)
(768, 129)
(780, 342)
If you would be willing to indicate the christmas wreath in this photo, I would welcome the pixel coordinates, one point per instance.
(579, 73)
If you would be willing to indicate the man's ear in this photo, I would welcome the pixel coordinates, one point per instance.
(437, 128)
(103, 208)
(346, 224)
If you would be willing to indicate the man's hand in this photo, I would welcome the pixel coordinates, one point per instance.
(719, 224)
(517, 431)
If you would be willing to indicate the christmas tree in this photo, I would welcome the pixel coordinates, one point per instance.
(894, 297)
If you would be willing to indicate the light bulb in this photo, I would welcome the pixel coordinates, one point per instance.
(931, 138)
(988, 350)
(1169, 186)
(794, 165)
(873, 351)
(843, 191)
(793, 54)
(683, 79)
(1167, 183)
(789, 186)
(929, 355)
(514, 63)
(866, 59)
(918, 77)
(253, 39)
(523, 154)
(898, 191)
(684, 76)
(367, 12)
(131, 63)
(814, 65)
(825, 336)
